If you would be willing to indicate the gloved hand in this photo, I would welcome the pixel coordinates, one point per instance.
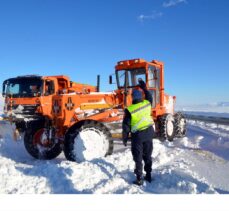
(141, 83)
(124, 142)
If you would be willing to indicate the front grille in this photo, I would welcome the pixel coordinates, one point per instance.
(23, 111)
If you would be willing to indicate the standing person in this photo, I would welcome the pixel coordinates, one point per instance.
(138, 121)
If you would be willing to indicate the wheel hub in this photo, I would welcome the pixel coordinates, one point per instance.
(182, 124)
(40, 138)
(170, 127)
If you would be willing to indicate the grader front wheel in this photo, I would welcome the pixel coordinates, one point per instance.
(38, 144)
(88, 141)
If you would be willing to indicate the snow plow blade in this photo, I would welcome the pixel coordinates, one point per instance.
(8, 130)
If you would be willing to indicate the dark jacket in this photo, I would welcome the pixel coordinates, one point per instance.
(126, 126)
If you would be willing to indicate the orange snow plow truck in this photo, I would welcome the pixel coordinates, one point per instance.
(79, 123)
(24, 94)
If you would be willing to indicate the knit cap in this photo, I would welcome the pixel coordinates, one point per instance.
(136, 94)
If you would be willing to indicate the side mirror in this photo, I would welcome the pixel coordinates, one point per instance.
(4, 89)
(110, 79)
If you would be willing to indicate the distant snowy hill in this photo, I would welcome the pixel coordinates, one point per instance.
(223, 104)
(219, 107)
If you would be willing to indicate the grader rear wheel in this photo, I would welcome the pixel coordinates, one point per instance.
(167, 127)
(88, 141)
(180, 125)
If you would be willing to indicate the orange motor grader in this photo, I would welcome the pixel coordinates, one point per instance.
(78, 121)
(24, 94)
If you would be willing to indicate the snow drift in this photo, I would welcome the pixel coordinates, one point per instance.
(197, 163)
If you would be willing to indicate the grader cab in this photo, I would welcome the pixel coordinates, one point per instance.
(78, 122)
(129, 72)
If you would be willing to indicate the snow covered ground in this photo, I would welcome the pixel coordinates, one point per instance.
(197, 163)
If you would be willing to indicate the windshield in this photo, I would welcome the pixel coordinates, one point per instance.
(132, 77)
(23, 87)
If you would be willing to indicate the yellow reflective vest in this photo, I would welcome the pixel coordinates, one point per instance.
(140, 116)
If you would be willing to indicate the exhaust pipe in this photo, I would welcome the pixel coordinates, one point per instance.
(98, 83)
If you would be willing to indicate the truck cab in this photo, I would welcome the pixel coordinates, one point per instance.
(30, 97)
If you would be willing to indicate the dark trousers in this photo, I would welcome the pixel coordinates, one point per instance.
(142, 150)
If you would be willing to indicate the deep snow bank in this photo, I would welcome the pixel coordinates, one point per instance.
(198, 163)
(112, 174)
(185, 166)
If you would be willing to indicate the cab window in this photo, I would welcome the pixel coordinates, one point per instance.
(49, 88)
(152, 76)
(132, 77)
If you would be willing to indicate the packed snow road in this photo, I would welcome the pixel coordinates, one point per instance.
(198, 163)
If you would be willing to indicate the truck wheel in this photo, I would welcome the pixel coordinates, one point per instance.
(180, 125)
(88, 141)
(38, 145)
(167, 127)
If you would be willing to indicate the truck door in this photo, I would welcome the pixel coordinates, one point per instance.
(154, 84)
(48, 92)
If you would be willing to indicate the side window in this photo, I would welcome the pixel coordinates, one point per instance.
(158, 78)
(153, 93)
(154, 82)
(134, 75)
(49, 88)
(152, 76)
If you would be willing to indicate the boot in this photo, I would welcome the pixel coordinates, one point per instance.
(138, 181)
(148, 177)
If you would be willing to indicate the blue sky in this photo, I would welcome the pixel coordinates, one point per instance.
(83, 38)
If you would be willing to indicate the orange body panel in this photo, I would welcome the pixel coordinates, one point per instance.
(68, 106)
(61, 84)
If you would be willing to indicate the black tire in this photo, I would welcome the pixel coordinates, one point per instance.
(37, 150)
(166, 127)
(180, 125)
(97, 127)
